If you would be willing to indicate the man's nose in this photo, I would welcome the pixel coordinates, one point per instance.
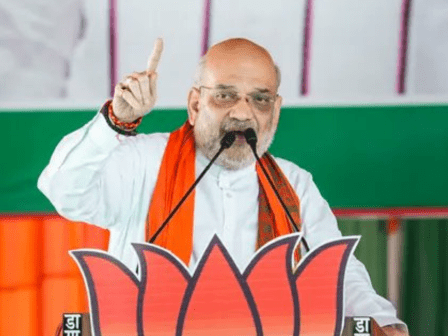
(242, 110)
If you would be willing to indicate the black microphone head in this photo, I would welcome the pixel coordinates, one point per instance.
(228, 139)
(251, 137)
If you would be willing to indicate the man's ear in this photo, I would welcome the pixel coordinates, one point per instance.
(193, 105)
(277, 106)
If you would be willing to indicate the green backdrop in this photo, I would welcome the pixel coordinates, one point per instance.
(381, 156)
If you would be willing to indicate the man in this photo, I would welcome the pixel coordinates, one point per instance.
(129, 184)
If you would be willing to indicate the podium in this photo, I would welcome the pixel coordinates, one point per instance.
(350, 323)
(369, 325)
(272, 296)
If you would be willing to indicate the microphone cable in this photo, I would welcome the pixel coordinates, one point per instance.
(251, 139)
(226, 142)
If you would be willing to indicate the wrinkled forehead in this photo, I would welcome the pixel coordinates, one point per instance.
(244, 66)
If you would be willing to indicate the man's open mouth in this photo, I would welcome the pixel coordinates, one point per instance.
(240, 138)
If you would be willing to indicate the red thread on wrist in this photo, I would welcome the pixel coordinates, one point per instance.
(125, 125)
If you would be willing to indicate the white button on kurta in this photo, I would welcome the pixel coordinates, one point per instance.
(228, 201)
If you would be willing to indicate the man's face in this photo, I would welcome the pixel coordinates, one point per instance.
(235, 95)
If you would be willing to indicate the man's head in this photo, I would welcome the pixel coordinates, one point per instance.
(236, 88)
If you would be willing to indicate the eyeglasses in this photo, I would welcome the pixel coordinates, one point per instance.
(228, 97)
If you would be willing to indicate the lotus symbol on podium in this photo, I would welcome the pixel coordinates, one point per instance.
(271, 296)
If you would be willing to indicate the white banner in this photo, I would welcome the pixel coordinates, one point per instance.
(59, 53)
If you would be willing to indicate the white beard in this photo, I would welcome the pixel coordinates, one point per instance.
(208, 135)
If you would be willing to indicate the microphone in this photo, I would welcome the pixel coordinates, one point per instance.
(251, 139)
(226, 142)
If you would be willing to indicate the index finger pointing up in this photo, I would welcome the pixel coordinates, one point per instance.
(154, 59)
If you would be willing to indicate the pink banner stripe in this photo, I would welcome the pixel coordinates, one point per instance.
(399, 212)
(113, 45)
(402, 54)
(307, 48)
(206, 27)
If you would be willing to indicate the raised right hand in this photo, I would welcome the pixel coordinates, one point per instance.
(136, 95)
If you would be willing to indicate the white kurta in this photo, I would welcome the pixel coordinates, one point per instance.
(100, 177)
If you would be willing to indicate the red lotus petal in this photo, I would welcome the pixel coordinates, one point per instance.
(273, 288)
(113, 294)
(164, 283)
(320, 285)
(219, 302)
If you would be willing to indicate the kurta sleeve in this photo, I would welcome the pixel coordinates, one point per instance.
(319, 225)
(99, 177)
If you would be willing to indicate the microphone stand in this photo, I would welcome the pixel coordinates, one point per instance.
(251, 139)
(226, 142)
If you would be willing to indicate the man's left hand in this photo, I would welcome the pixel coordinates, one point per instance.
(395, 330)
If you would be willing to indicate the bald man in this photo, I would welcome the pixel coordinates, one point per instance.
(107, 175)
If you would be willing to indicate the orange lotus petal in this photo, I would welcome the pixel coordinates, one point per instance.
(164, 280)
(217, 301)
(113, 292)
(320, 282)
(271, 282)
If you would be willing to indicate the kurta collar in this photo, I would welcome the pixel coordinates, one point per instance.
(225, 177)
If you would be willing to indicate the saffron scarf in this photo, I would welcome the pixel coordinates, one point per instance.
(177, 174)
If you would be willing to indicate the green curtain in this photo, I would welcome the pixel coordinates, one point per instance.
(371, 250)
(425, 277)
(360, 156)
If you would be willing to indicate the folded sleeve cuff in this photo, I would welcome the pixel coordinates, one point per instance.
(102, 135)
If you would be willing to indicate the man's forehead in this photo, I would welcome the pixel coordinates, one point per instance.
(238, 61)
(239, 46)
